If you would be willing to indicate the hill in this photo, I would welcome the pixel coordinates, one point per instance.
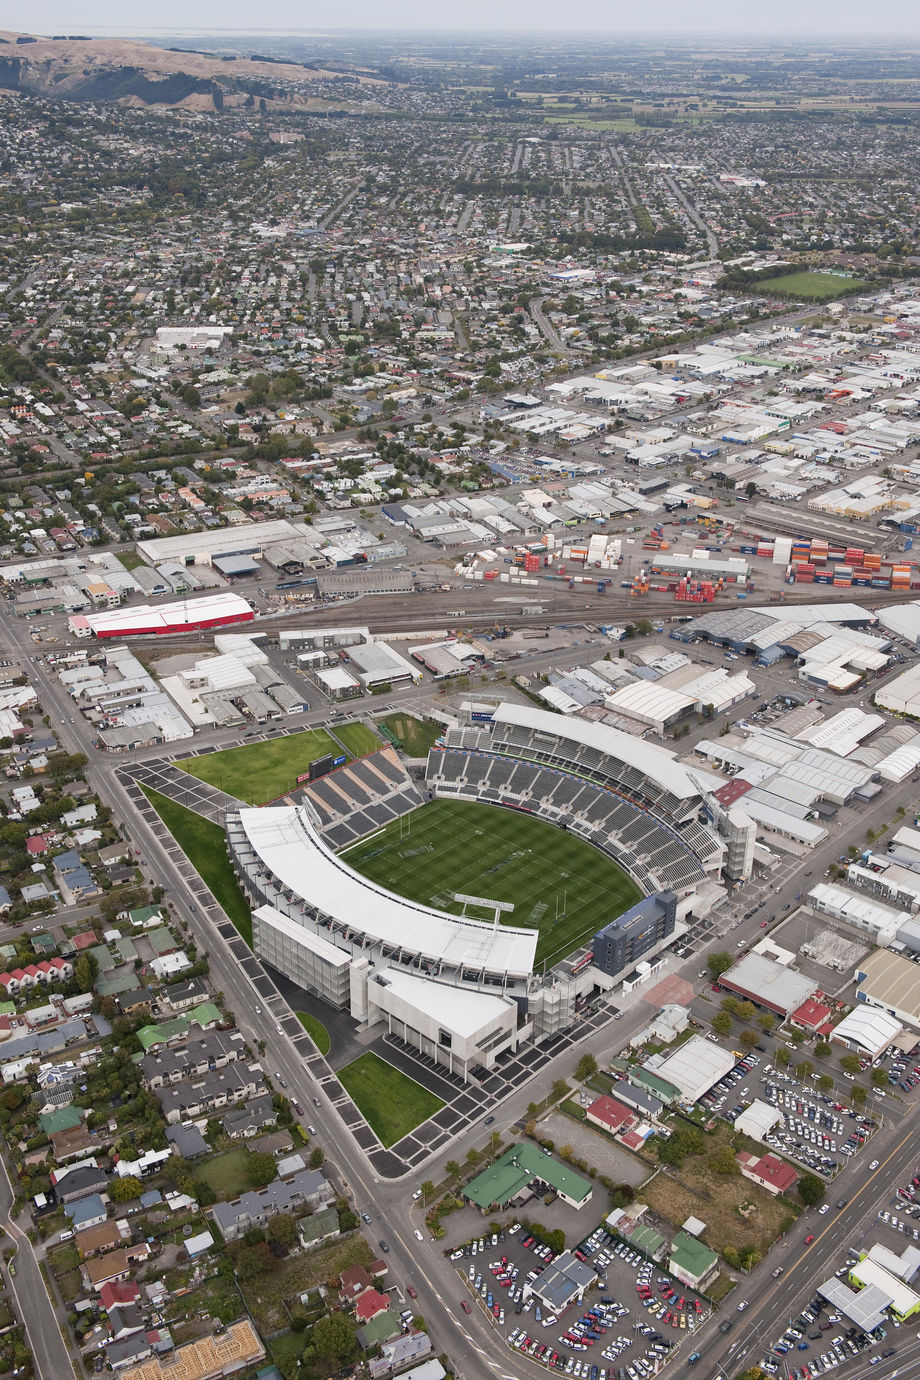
(72, 68)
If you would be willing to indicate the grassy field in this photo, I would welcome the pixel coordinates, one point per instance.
(227, 1173)
(736, 1212)
(205, 846)
(415, 736)
(357, 739)
(557, 883)
(316, 1031)
(392, 1104)
(814, 287)
(267, 1297)
(260, 772)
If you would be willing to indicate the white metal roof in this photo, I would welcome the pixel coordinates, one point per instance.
(459, 1009)
(314, 943)
(147, 617)
(869, 1027)
(284, 839)
(657, 763)
(695, 1066)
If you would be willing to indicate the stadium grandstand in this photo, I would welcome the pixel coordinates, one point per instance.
(463, 991)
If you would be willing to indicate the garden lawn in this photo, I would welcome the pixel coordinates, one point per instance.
(558, 884)
(226, 1173)
(415, 737)
(357, 739)
(392, 1103)
(316, 1031)
(205, 846)
(259, 772)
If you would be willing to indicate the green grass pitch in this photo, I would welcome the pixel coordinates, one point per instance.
(558, 884)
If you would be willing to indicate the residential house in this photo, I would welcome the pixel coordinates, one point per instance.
(309, 1188)
(770, 1172)
(78, 1181)
(199, 1097)
(187, 1141)
(250, 1120)
(86, 1212)
(214, 1050)
(103, 1237)
(115, 1265)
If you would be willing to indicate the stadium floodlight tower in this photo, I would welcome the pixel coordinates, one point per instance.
(483, 903)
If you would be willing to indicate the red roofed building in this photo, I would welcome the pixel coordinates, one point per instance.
(353, 1282)
(119, 1292)
(811, 1015)
(610, 1115)
(86, 940)
(36, 845)
(732, 790)
(771, 1173)
(370, 1304)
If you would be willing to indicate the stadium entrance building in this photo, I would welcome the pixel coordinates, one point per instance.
(634, 933)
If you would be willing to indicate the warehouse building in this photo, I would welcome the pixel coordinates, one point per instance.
(866, 1030)
(249, 539)
(892, 983)
(768, 984)
(902, 695)
(902, 1301)
(694, 1067)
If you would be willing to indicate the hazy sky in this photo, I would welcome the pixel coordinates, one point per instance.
(831, 19)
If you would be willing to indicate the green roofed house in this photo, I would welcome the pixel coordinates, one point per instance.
(692, 1262)
(126, 949)
(162, 941)
(205, 1014)
(659, 1087)
(167, 1033)
(61, 1119)
(104, 960)
(509, 1178)
(116, 984)
(146, 915)
(318, 1228)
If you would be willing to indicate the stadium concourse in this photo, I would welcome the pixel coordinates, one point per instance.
(463, 991)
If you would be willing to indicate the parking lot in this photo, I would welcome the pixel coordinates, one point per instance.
(817, 1130)
(628, 1329)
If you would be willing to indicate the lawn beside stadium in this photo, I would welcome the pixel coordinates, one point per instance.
(392, 1103)
(814, 287)
(558, 884)
(259, 772)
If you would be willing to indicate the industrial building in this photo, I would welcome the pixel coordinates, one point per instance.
(767, 984)
(694, 1067)
(211, 611)
(892, 983)
(866, 1030)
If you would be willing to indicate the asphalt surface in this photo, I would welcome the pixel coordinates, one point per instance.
(33, 1303)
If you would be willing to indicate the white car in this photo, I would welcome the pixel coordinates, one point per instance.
(874, 1164)
(742, 1305)
(823, 1209)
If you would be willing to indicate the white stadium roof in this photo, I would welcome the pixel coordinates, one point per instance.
(284, 839)
(655, 762)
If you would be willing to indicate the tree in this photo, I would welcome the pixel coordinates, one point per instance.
(260, 1168)
(879, 1078)
(84, 971)
(811, 1189)
(722, 1161)
(253, 1261)
(858, 1095)
(427, 1190)
(766, 1022)
(316, 1157)
(805, 1069)
(282, 1230)
(822, 1049)
(850, 1063)
(746, 1011)
(824, 1082)
(587, 1067)
(783, 1057)
(453, 1170)
(719, 963)
(749, 1038)
(123, 1190)
(560, 1089)
(333, 1337)
(721, 1022)
(730, 1004)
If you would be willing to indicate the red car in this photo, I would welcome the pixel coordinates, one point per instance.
(808, 1240)
(411, 1292)
(465, 1306)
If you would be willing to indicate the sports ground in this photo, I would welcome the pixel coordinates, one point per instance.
(557, 883)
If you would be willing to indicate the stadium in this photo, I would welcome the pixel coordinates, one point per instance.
(359, 895)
